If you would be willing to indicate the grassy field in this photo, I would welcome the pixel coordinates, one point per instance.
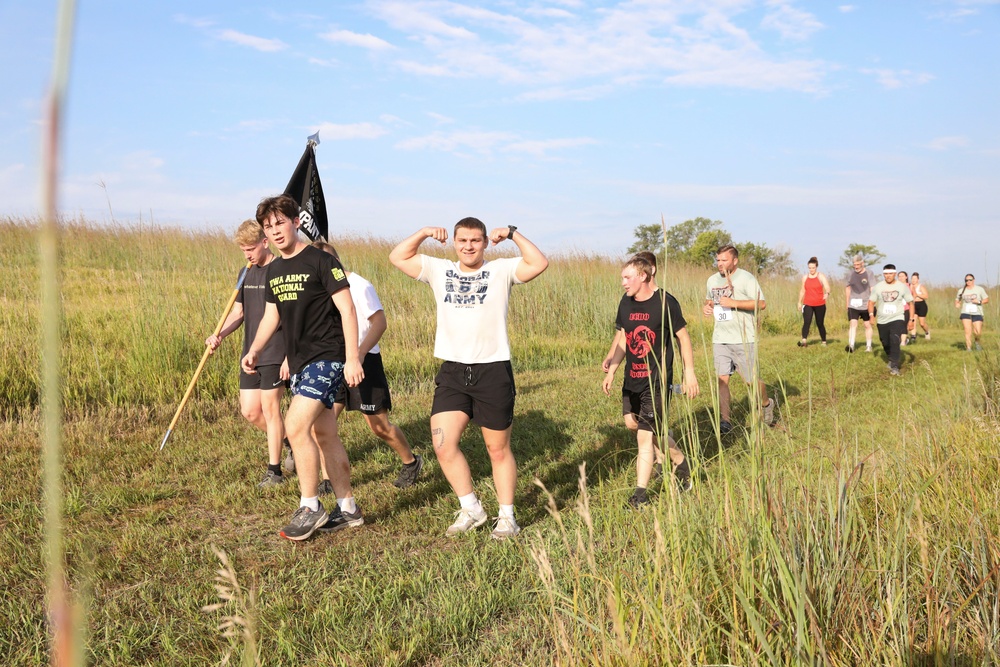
(861, 530)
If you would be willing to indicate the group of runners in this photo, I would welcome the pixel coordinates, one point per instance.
(312, 326)
(897, 304)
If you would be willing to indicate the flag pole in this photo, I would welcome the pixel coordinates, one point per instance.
(204, 357)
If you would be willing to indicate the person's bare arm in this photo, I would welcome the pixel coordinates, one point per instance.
(404, 256)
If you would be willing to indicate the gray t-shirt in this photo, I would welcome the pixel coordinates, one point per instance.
(861, 288)
(251, 296)
(890, 301)
(968, 298)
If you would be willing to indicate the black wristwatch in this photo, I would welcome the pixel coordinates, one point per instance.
(510, 231)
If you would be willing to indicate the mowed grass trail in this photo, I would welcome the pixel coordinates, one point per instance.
(862, 530)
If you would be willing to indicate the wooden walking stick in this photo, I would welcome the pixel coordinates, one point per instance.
(204, 357)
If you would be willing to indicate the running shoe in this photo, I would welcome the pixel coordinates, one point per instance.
(289, 460)
(725, 428)
(324, 488)
(637, 501)
(271, 478)
(868, 349)
(849, 349)
(979, 348)
(801, 343)
(408, 473)
(770, 417)
(339, 519)
(505, 527)
(927, 336)
(304, 523)
(466, 520)
(893, 370)
(682, 474)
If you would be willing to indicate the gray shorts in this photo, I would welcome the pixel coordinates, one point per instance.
(739, 357)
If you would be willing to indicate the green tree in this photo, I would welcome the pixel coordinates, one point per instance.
(647, 237)
(871, 254)
(702, 251)
(682, 236)
(758, 258)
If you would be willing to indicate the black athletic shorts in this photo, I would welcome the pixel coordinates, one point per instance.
(485, 392)
(648, 407)
(266, 377)
(857, 314)
(920, 308)
(372, 395)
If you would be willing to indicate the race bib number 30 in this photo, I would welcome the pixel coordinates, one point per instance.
(723, 314)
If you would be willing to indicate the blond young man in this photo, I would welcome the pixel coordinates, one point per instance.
(308, 295)
(475, 382)
(648, 320)
(261, 392)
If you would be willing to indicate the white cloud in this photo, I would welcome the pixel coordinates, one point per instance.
(790, 22)
(462, 142)
(440, 119)
(542, 148)
(335, 132)
(596, 50)
(948, 143)
(889, 78)
(258, 43)
(459, 142)
(846, 9)
(366, 41)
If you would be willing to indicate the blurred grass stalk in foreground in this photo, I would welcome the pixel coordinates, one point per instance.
(65, 644)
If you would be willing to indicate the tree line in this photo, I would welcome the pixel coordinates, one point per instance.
(696, 241)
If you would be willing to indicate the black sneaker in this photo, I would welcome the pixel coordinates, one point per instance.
(324, 488)
(637, 502)
(408, 473)
(682, 474)
(848, 349)
(339, 519)
(725, 428)
(304, 523)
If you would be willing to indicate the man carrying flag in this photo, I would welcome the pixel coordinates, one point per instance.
(308, 295)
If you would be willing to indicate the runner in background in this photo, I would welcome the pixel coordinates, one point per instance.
(970, 301)
(812, 301)
(919, 310)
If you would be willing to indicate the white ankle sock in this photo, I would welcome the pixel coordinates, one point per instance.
(311, 503)
(347, 505)
(470, 502)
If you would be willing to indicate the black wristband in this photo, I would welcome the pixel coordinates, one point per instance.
(510, 231)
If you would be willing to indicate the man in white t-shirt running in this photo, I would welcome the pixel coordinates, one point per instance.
(372, 397)
(733, 298)
(475, 382)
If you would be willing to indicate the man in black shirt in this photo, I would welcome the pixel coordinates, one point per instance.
(649, 319)
(307, 293)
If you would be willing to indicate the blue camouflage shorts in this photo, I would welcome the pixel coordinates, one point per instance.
(319, 380)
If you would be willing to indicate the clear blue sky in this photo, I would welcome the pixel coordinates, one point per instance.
(809, 125)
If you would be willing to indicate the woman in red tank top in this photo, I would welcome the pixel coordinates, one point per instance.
(812, 301)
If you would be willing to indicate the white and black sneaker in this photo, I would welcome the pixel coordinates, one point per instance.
(339, 519)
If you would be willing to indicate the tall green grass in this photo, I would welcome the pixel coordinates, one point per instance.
(861, 530)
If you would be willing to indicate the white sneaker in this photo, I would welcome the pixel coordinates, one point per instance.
(466, 520)
(506, 527)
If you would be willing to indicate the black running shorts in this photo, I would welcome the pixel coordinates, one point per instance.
(372, 395)
(485, 392)
(266, 378)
